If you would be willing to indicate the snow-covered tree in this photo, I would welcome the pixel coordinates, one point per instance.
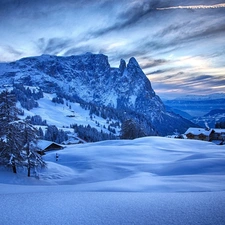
(40, 133)
(131, 130)
(26, 96)
(12, 147)
(31, 158)
(36, 120)
(54, 134)
(8, 110)
(91, 134)
(17, 137)
(9, 131)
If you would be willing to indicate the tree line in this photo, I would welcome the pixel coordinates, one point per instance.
(18, 138)
(110, 113)
(27, 97)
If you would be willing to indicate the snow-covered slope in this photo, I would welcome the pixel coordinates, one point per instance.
(146, 164)
(64, 115)
(90, 78)
(144, 181)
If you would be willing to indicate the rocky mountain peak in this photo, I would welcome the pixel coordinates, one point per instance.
(134, 69)
(90, 78)
(133, 62)
(122, 65)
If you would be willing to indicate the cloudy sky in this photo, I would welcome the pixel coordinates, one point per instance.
(180, 44)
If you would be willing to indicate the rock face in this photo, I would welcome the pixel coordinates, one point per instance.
(91, 78)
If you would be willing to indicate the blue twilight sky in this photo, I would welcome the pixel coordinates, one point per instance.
(180, 45)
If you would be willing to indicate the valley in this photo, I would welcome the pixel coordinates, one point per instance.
(200, 109)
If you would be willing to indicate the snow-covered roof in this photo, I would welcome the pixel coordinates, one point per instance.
(219, 130)
(198, 131)
(43, 144)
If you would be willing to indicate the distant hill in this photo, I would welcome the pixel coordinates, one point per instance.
(180, 112)
(198, 105)
(215, 112)
(211, 119)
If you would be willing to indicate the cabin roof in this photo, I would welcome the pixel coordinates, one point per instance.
(43, 144)
(198, 131)
(217, 130)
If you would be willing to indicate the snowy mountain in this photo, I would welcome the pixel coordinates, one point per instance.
(197, 105)
(214, 96)
(89, 78)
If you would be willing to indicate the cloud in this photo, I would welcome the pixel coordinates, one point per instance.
(153, 63)
(174, 47)
(53, 46)
(8, 52)
(160, 71)
(188, 83)
(130, 15)
(79, 50)
(13, 51)
(185, 36)
(204, 84)
(201, 78)
(175, 27)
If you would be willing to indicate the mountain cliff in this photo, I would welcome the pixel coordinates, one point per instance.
(89, 77)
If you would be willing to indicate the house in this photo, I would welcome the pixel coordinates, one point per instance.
(219, 133)
(219, 136)
(215, 135)
(203, 134)
(45, 146)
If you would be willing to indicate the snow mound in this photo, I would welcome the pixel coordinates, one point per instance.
(56, 172)
(151, 164)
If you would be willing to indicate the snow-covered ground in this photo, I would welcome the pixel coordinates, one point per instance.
(151, 180)
(64, 115)
(101, 208)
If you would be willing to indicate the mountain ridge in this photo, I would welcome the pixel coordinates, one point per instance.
(89, 77)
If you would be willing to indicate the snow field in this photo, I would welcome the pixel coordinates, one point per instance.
(151, 164)
(147, 181)
(107, 208)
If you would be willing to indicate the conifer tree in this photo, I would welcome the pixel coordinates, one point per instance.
(9, 131)
(131, 130)
(17, 137)
(11, 153)
(8, 110)
(31, 158)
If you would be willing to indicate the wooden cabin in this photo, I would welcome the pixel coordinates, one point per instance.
(45, 146)
(215, 135)
(199, 134)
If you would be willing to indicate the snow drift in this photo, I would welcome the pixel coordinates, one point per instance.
(144, 181)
